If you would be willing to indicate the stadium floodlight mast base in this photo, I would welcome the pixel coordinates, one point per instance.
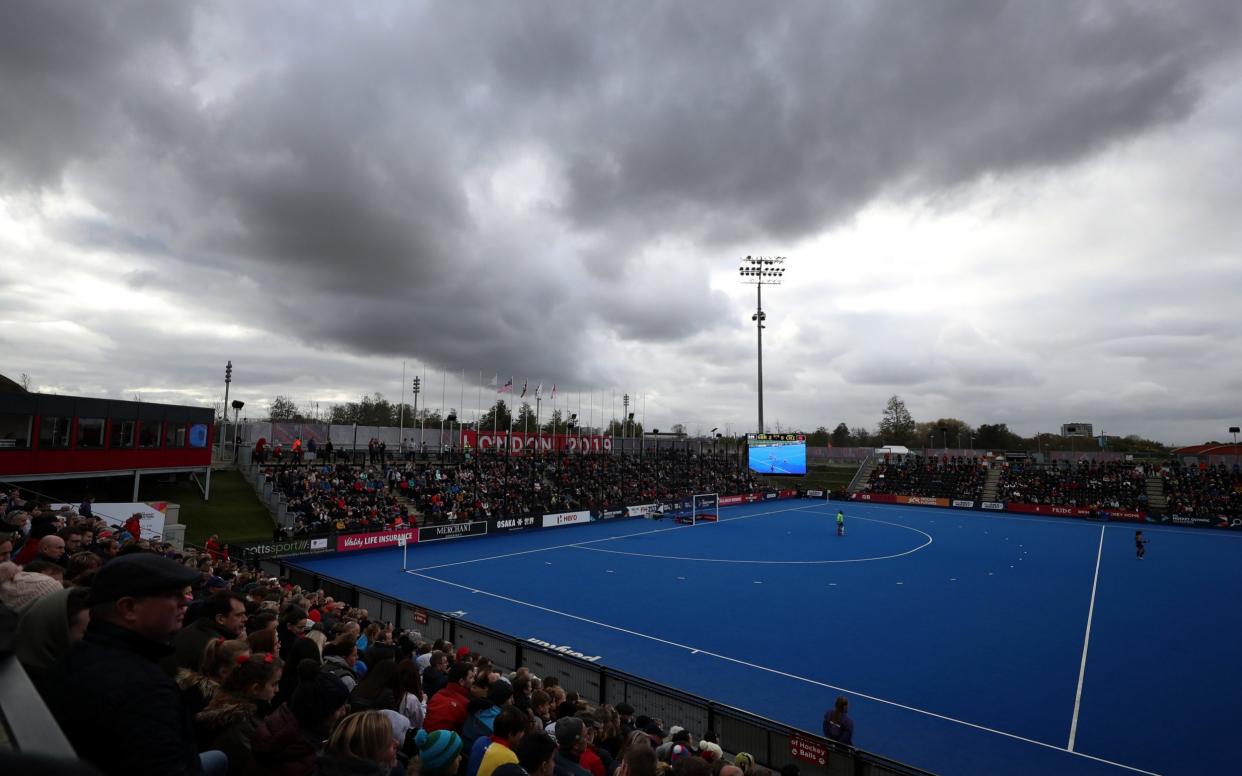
(761, 271)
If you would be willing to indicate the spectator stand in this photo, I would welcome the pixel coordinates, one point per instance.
(772, 743)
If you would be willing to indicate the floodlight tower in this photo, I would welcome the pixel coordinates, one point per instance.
(761, 271)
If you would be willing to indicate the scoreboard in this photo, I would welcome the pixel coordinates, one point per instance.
(777, 454)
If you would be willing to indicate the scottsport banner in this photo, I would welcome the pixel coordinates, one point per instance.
(287, 547)
(434, 533)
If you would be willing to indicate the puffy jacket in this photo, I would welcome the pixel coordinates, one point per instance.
(478, 725)
(229, 723)
(447, 709)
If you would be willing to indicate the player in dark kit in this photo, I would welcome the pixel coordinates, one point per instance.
(1140, 545)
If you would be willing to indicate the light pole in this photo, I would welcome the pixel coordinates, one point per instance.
(761, 271)
(416, 385)
(1234, 430)
(224, 416)
(625, 404)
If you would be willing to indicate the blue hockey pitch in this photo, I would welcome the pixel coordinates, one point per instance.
(968, 643)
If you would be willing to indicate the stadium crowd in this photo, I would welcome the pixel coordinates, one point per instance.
(343, 497)
(1208, 490)
(154, 660)
(1089, 484)
(952, 477)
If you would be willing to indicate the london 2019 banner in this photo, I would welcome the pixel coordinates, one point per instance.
(518, 442)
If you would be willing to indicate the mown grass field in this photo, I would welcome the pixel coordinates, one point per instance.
(824, 477)
(234, 511)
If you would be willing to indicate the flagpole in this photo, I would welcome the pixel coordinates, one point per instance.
(443, 385)
(478, 415)
(401, 422)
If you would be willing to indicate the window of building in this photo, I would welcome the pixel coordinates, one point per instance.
(15, 431)
(149, 434)
(174, 435)
(90, 433)
(54, 433)
(122, 434)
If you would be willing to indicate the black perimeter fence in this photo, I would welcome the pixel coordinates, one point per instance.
(773, 744)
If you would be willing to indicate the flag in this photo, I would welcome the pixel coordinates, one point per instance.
(524, 384)
(539, 391)
(507, 387)
(495, 378)
(553, 391)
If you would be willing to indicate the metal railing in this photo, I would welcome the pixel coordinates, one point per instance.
(26, 724)
(769, 741)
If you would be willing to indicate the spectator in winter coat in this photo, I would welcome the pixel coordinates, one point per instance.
(219, 660)
(435, 676)
(222, 615)
(570, 742)
(376, 691)
(536, 755)
(447, 709)
(48, 628)
(482, 714)
(412, 702)
(137, 601)
(439, 752)
(288, 741)
(339, 658)
(360, 745)
(494, 750)
(232, 717)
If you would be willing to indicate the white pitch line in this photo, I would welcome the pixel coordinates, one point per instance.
(776, 562)
(1086, 640)
(604, 539)
(756, 666)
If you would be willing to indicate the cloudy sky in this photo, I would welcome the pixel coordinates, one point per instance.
(1002, 211)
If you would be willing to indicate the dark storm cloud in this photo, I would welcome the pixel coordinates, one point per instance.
(324, 156)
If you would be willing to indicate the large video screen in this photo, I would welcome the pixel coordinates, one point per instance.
(777, 453)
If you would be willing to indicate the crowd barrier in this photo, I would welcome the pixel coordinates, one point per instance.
(772, 743)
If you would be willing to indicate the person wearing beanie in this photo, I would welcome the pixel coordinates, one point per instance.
(360, 745)
(19, 589)
(744, 761)
(439, 752)
(288, 741)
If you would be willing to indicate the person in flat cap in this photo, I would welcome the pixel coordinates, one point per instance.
(118, 709)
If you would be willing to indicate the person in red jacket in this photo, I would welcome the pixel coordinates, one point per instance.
(213, 547)
(447, 708)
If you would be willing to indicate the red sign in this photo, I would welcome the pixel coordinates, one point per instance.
(420, 616)
(808, 749)
(518, 442)
(1064, 511)
(372, 541)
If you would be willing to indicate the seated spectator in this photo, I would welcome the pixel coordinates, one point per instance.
(48, 627)
(230, 721)
(570, 743)
(219, 659)
(222, 615)
(362, 743)
(20, 587)
(289, 741)
(339, 659)
(495, 749)
(481, 714)
(411, 701)
(377, 690)
(439, 752)
(137, 603)
(447, 709)
(435, 676)
(536, 756)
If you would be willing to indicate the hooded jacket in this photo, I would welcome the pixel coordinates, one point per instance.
(229, 724)
(447, 709)
(43, 634)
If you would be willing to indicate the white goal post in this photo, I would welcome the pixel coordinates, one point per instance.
(705, 507)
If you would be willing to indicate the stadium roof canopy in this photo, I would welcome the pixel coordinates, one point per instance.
(1209, 449)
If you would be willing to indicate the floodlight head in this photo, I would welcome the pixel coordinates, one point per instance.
(238, 404)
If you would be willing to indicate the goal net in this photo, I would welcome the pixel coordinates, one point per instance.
(704, 507)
